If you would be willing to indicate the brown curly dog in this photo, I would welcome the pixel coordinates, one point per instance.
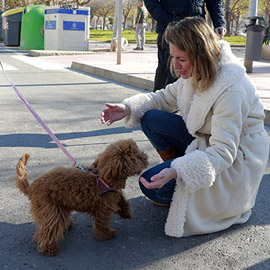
(97, 191)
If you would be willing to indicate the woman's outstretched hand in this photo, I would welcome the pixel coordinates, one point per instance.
(113, 113)
(160, 179)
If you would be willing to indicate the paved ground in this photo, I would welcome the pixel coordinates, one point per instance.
(70, 101)
(137, 68)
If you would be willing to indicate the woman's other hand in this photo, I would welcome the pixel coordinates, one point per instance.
(160, 179)
(114, 112)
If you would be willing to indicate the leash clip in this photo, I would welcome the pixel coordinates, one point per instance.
(77, 165)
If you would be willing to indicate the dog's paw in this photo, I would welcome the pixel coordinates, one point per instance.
(49, 250)
(125, 215)
(69, 225)
(102, 236)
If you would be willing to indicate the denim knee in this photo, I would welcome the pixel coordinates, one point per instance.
(149, 118)
(163, 194)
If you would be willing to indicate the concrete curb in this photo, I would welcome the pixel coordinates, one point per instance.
(118, 76)
(36, 53)
(115, 76)
(143, 84)
(133, 80)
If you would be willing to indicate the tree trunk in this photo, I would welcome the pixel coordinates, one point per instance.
(154, 25)
(227, 17)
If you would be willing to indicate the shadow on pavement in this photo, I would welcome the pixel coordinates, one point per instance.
(260, 266)
(45, 141)
(140, 241)
(55, 84)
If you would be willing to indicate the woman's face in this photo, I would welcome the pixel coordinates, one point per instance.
(181, 62)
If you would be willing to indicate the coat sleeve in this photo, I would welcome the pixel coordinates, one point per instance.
(158, 12)
(138, 16)
(200, 167)
(164, 99)
(216, 11)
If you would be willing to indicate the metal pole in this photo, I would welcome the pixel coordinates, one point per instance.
(115, 23)
(252, 11)
(252, 8)
(3, 5)
(120, 10)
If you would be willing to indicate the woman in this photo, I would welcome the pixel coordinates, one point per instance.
(216, 150)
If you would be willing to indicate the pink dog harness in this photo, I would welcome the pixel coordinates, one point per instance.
(101, 184)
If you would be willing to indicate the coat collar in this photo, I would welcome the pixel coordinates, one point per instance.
(194, 107)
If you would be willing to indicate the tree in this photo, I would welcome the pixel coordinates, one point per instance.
(264, 10)
(106, 10)
(227, 17)
(128, 7)
(234, 10)
(239, 9)
(94, 5)
(100, 8)
(10, 4)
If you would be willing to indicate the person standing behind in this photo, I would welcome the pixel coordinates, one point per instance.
(140, 24)
(166, 11)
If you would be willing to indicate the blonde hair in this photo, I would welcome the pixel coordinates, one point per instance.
(194, 36)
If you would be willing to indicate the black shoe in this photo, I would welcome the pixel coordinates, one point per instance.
(141, 48)
(137, 49)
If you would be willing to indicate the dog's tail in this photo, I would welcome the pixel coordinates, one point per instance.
(21, 178)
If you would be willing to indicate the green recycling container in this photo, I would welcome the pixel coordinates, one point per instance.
(11, 21)
(32, 29)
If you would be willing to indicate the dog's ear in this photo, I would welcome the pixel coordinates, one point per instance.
(143, 160)
(112, 168)
(120, 161)
(95, 163)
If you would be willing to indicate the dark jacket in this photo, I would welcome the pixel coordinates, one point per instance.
(141, 15)
(165, 11)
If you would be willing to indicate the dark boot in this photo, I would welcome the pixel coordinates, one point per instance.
(170, 153)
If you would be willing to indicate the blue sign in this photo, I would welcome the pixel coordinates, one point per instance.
(67, 11)
(50, 25)
(74, 26)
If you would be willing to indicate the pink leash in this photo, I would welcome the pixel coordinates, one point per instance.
(102, 185)
(60, 145)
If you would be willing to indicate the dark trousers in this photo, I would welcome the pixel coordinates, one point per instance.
(163, 129)
(163, 75)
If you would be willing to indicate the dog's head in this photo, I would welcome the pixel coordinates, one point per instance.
(119, 161)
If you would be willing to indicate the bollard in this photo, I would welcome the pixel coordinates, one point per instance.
(254, 41)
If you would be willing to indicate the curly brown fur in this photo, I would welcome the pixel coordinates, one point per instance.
(56, 194)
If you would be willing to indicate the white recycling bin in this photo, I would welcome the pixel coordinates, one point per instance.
(66, 29)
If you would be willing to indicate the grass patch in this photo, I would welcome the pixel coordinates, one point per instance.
(106, 36)
(150, 37)
(235, 40)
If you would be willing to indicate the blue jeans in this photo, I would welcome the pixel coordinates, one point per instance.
(163, 129)
(140, 31)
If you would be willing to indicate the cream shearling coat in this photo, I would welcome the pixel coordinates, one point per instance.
(223, 167)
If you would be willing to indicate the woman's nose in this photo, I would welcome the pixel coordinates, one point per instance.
(177, 65)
